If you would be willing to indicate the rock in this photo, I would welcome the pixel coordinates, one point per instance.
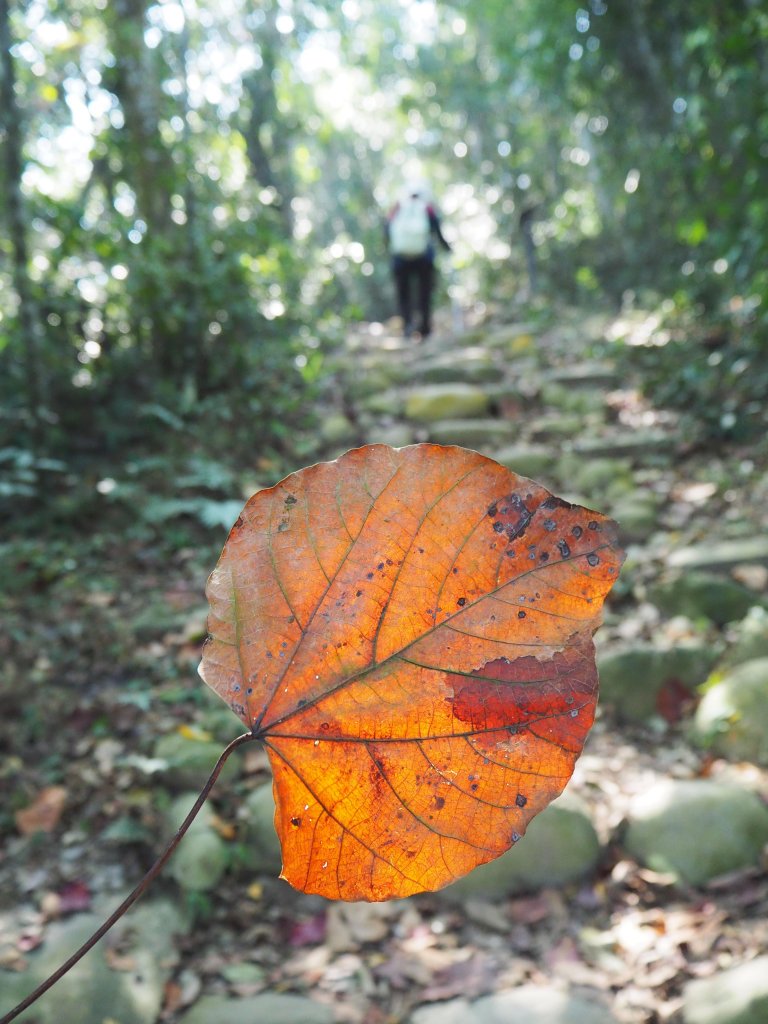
(637, 515)
(633, 680)
(738, 995)
(97, 989)
(190, 761)
(594, 476)
(472, 365)
(569, 399)
(703, 595)
(514, 340)
(480, 434)
(637, 444)
(722, 555)
(268, 1007)
(243, 974)
(533, 1004)
(529, 460)
(383, 403)
(585, 375)
(539, 1004)
(397, 435)
(335, 428)
(555, 426)
(751, 638)
(263, 847)
(453, 1011)
(732, 718)
(202, 856)
(372, 378)
(696, 829)
(435, 402)
(560, 846)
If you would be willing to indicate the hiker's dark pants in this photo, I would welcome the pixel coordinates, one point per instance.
(417, 276)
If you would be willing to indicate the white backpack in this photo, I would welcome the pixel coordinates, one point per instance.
(409, 228)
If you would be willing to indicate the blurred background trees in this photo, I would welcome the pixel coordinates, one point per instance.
(192, 195)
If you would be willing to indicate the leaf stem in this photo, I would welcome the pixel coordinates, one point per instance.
(138, 892)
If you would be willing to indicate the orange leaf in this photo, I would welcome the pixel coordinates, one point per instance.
(43, 813)
(409, 632)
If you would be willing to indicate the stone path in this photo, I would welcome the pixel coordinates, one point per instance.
(692, 600)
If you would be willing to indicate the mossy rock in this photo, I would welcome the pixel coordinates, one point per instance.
(262, 853)
(526, 460)
(738, 995)
(190, 761)
(93, 991)
(434, 402)
(704, 595)
(559, 847)
(202, 856)
(482, 435)
(632, 680)
(697, 830)
(266, 1008)
(732, 718)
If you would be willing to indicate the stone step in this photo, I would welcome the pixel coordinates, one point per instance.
(629, 445)
(483, 435)
(724, 554)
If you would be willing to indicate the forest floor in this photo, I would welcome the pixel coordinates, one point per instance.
(100, 645)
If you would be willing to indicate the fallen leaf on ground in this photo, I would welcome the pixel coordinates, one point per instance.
(44, 813)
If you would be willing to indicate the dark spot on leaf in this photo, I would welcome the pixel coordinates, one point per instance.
(577, 531)
(359, 593)
(283, 526)
(325, 727)
(249, 691)
(549, 525)
(493, 511)
(369, 576)
(461, 602)
(454, 571)
(498, 527)
(593, 559)
(515, 836)
(544, 556)
(239, 523)
(291, 500)
(474, 786)
(291, 619)
(510, 553)
(554, 502)
(296, 822)
(439, 802)
(594, 526)
(563, 548)
(521, 615)
(521, 800)
(236, 687)
(380, 566)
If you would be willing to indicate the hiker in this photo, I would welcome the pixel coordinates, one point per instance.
(412, 225)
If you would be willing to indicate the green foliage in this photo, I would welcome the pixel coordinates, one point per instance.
(201, 201)
(712, 372)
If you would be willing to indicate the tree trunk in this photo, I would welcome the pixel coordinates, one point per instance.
(29, 332)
